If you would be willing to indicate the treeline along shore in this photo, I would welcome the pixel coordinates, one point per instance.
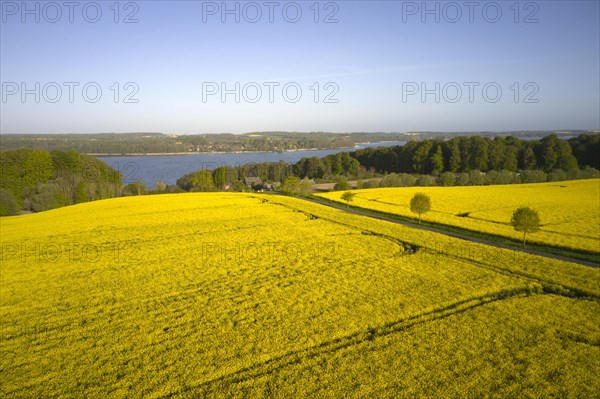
(34, 180)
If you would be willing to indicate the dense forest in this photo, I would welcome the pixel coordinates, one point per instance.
(463, 154)
(38, 180)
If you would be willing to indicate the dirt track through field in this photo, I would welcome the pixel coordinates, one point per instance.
(454, 234)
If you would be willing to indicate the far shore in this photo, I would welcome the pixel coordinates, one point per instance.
(134, 154)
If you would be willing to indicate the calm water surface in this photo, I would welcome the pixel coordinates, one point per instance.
(168, 168)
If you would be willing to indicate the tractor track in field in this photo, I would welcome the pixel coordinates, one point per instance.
(292, 358)
(295, 357)
(454, 234)
(550, 285)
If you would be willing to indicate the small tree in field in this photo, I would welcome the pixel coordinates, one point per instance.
(526, 220)
(291, 185)
(420, 204)
(348, 196)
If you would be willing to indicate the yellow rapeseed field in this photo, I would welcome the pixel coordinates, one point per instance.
(255, 295)
(569, 210)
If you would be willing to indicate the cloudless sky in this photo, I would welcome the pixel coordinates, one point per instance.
(362, 66)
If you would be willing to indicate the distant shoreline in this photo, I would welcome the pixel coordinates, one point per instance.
(153, 154)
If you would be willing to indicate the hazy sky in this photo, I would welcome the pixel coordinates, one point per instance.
(189, 67)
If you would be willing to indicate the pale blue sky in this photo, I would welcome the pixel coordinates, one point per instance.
(372, 55)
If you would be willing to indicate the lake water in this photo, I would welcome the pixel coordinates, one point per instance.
(168, 168)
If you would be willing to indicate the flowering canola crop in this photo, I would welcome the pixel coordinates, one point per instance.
(256, 295)
(569, 210)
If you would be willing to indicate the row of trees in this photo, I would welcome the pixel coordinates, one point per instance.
(460, 161)
(38, 180)
(464, 154)
(340, 164)
(477, 178)
(235, 178)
